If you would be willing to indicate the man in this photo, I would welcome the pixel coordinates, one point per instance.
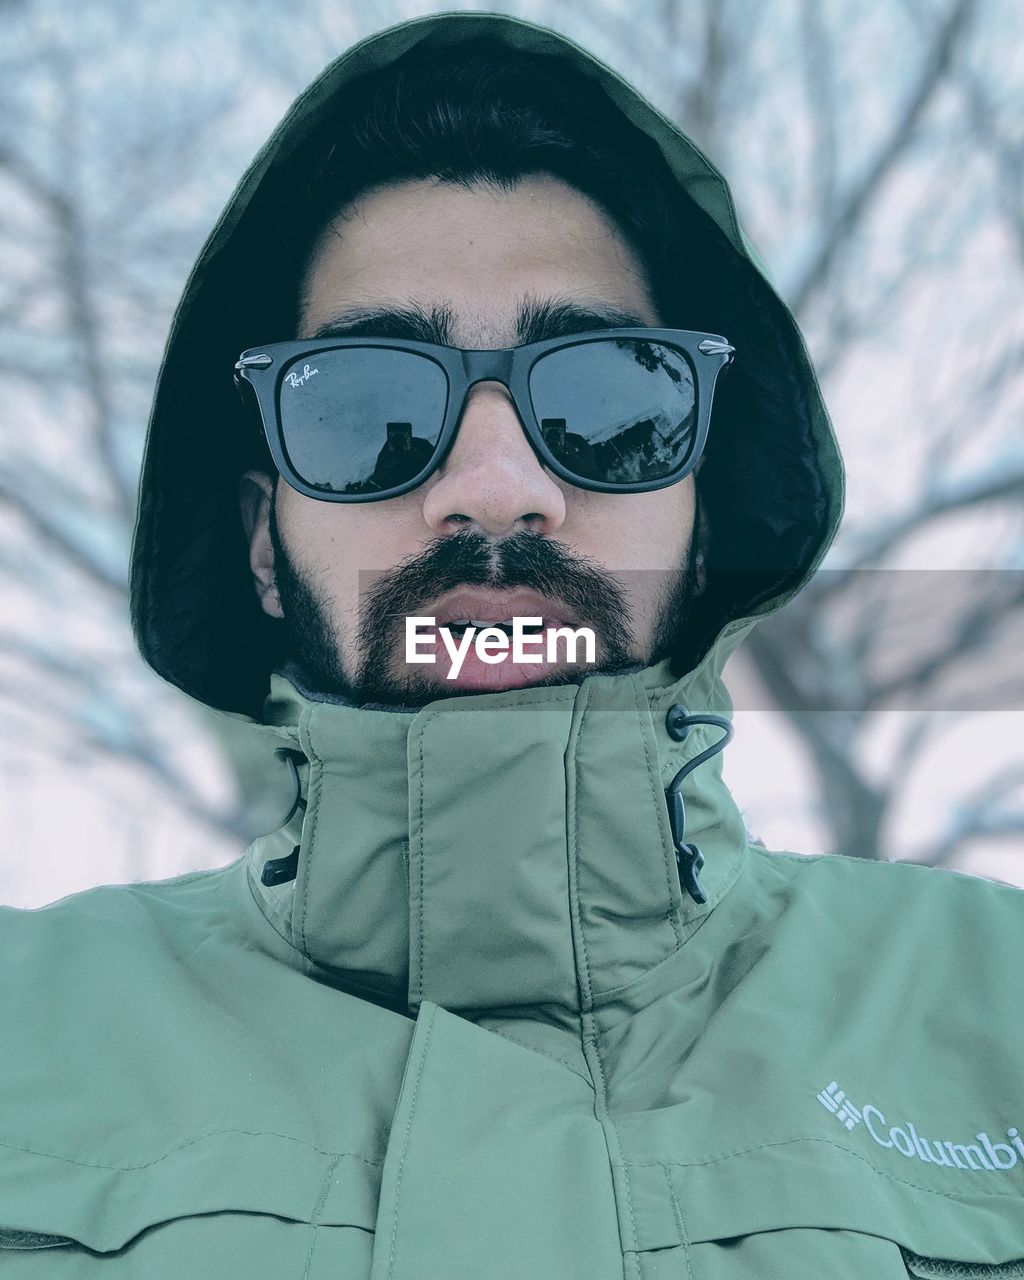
(510, 993)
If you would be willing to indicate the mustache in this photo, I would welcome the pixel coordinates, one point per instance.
(523, 559)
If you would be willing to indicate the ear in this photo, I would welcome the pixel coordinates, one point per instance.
(256, 496)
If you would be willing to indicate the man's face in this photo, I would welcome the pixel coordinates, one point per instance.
(492, 534)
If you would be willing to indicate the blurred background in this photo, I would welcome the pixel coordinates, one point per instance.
(876, 152)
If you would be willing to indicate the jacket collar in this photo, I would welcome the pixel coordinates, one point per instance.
(502, 851)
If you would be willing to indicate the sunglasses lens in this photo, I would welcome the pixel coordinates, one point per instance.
(617, 410)
(361, 420)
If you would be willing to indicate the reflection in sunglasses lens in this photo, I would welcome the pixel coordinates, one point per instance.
(361, 419)
(618, 409)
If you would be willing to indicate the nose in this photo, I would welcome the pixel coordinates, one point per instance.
(491, 478)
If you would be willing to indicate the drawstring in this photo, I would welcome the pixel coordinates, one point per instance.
(689, 858)
(281, 870)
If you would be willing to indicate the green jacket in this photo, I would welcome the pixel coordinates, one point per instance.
(483, 1030)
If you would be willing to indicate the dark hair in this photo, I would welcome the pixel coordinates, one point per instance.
(475, 114)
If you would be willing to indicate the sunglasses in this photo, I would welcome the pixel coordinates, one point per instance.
(363, 419)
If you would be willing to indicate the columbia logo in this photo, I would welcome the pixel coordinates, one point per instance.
(836, 1101)
(980, 1154)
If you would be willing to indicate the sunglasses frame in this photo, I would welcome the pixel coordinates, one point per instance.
(260, 371)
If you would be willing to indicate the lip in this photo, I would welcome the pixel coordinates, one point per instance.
(500, 606)
(493, 606)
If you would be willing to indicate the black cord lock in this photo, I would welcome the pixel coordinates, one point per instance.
(689, 858)
(281, 870)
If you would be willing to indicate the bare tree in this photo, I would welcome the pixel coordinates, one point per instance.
(86, 302)
(832, 660)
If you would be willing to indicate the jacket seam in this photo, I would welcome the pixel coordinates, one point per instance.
(317, 1211)
(421, 860)
(1013, 1194)
(405, 1145)
(564, 1062)
(604, 998)
(605, 1116)
(587, 1017)
(574, 886)
(257, 899)
(677, 1209)
(182, 1146)
(658, 796)
(317, 764)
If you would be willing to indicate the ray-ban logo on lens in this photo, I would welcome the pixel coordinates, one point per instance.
(526, 639)
(299, 379)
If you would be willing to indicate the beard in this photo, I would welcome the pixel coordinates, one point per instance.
(471, 558)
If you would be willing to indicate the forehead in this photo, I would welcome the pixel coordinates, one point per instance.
(477, 252)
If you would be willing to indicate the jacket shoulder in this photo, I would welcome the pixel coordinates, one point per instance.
(935, 937)
(889, 884)
(91, 945)
(119, 904)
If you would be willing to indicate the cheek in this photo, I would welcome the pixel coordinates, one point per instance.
(636, 531)
(668, 525)
(333, 544)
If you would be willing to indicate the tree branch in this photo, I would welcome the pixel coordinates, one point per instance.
(42, 523)
(852, 208)
(995, 485)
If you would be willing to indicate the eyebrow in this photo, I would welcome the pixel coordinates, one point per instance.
(557, 318)
(536, 320)
(389, 322)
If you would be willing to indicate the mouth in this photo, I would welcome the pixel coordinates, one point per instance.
(527, 619)
(480, 608)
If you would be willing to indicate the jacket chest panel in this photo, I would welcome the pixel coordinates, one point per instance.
(498, 1157)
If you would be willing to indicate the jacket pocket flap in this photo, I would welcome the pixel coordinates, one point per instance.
(963, 1217)
(51, 1200)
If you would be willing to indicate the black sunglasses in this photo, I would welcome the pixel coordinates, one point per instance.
(362, 419)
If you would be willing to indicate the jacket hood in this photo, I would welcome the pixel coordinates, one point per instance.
(771, 484)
